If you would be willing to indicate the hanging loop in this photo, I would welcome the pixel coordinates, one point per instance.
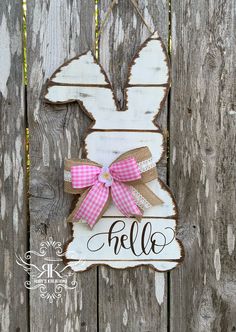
(112, 5)
(134, 3)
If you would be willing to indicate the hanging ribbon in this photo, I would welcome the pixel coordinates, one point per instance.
(109, 11)
(123, 182)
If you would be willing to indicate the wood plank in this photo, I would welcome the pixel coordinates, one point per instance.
(202, 164)
(131, 300)
(107, 153)
(57, 31)
(119, 244)
(13, 225)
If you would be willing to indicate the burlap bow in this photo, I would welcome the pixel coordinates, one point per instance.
(123, 182)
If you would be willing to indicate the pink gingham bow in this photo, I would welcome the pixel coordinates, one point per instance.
(103, 182)
(124, 181)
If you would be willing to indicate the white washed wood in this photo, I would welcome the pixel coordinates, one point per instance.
(151, 66)
(100, 103)
(81, 70)
(105, 147)
(95, 99)
(78, 249)
(144, 101)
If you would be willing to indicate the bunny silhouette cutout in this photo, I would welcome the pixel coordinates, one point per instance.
(114, 132)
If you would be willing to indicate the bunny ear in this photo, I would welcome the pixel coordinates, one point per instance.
(150, 64)
(82, 70)
(148, 82)
(83, 80)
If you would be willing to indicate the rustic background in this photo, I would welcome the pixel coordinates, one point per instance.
(200, 125)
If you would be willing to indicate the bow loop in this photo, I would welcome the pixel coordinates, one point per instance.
(84, 176)
(125, 170)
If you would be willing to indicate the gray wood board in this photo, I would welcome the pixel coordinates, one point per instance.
(13, 226)
(57, 31)
(132, 300)
(202, 164)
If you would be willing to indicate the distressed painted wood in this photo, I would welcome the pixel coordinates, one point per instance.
(57, 31)
(202, 164)
(149, 70)
(13, 203)
(105, 147)
(141, 293)
(82, 79)
(124, 243)
(150, 65)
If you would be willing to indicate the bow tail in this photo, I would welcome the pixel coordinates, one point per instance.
(144, 197)
(91, 204)
(123, 199)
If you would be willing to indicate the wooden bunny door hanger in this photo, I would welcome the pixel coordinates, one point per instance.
(125, 215)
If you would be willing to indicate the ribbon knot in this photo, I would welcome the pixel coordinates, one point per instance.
(105, 177)
(103, 181)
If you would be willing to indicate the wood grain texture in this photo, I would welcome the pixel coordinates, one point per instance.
(202, 164)
(13, 225)
(57, 31)
(132, 300)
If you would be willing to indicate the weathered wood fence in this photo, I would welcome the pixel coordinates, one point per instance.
(200, 124)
